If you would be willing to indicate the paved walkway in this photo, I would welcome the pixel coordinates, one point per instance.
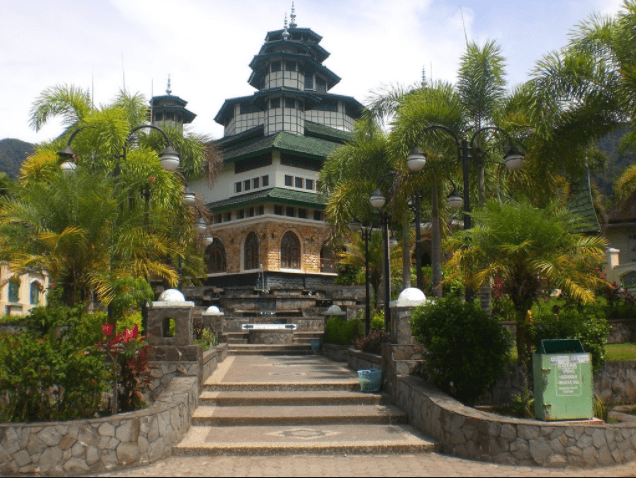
(424, 464)
(265, 375)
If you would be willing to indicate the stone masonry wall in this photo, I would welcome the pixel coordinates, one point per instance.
(470, 433)
(79, 447)
(270, 234)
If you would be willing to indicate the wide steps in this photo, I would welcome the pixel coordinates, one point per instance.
(288, 398)
(258, 349)
(293, 415)
(303, 439)
(322, 385)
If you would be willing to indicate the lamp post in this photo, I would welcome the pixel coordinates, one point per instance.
(466, 151)
(378, 201)
(365, 229)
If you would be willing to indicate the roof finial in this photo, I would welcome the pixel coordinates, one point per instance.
(292, 17)
(423, 76)
(285, 32)
(168, 90)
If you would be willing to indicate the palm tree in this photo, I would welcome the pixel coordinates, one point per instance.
(112, 219)
(532, 250)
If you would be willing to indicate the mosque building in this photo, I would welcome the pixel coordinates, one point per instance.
(269, 224)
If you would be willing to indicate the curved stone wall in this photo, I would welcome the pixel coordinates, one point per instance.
(471, 433)
(79, 447)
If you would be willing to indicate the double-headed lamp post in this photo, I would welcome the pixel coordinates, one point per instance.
(466, 150)
(356, 226)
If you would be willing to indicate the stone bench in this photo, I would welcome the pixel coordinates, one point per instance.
(270, 334)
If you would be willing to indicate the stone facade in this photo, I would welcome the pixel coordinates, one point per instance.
(312, 236)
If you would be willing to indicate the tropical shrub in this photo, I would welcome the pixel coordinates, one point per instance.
(52, 371)
(372, 343)
(586, 323)
(207, 338)
(341, 331)
(465, 349)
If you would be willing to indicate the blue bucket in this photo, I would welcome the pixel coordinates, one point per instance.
(370, 380)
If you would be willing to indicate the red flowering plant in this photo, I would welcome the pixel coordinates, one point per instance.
(128, 353)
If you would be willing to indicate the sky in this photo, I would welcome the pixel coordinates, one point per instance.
(205, 46)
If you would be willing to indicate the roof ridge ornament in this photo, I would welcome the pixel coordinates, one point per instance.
(292, 17)
(285, 32)
(168, 90)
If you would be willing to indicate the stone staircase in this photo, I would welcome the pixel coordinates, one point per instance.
(291, 404)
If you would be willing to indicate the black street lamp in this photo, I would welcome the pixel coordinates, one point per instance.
(366, 230)
(466, 151)
(378, 201)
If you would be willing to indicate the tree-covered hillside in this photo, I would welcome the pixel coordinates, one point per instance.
(13, 152)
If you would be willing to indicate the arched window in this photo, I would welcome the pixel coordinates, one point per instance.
(327, 262)
(34, 293)
(14, 289)
(290, 251)
(251, 252)
(215, 257)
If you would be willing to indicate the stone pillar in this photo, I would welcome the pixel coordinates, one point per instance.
(214, 319)
(403, 354)
(177, 348)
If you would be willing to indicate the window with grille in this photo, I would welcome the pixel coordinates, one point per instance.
(290, 251)
(215, 257)
(251, 259)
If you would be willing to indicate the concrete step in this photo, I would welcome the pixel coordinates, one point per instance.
(292, 415)
(257, 349)
(289, 398)
(342, 385)
(304, 439)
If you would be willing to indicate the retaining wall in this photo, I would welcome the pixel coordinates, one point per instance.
(137, 438)
(79, 447)
(471, 433)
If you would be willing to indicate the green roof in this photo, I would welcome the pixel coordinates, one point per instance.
(325, 132)
(282, 141)
(273, 195)
(582, 204)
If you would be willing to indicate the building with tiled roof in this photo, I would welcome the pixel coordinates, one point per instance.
(268, 218)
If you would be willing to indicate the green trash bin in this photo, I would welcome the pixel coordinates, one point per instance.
(563, 381)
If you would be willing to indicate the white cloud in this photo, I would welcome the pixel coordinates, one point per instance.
(206, 45)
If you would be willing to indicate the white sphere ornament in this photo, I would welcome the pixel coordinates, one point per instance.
(213, 310)
(411, 297)
(172, 295)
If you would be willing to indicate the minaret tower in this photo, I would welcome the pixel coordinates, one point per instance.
(170, 110)
(293, 87)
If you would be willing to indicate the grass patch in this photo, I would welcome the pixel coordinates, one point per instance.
(620, 352)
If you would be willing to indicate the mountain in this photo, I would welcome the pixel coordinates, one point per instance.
(13, 152)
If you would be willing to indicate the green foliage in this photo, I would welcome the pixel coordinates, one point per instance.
(208, 339)
(53, 370)
(372, 343)
(377, 319)
(529, 250)
(572, 322)
(522, 404)
(465, 348)
(602, 408)
(349, 274)
(341, 331)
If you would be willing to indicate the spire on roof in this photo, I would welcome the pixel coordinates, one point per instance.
(292, 17)
(285, 32)
(168, 90)
(423, 76)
